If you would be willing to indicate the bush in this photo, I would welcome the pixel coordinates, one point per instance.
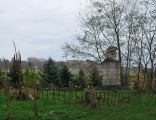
(95, 77)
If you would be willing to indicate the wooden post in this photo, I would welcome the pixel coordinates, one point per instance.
(75, 95)
(115, 97)
(53, 93)
(47, 93)
(64, 95)
(108, 98)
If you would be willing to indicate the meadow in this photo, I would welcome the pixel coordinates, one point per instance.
(55, 108)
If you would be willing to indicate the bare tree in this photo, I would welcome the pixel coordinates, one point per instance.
(149, 30)
(102, 26)
(123, 24)
(131, 37)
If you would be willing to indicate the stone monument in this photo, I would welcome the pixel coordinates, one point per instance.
(111, 68)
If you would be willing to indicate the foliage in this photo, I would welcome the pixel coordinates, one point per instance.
(65, 76)
(81, 78)
(31, 76)
(74, 80)
(1, 77)
(95, 77)
(15, 72)
(1, 73)
(50, 72)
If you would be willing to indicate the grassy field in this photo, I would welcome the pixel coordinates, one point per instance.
(139, 110)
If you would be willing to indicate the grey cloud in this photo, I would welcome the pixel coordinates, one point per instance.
(38, 27)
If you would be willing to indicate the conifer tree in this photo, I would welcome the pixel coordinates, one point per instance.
(65, 76)
(95, 77)
(81, 78)
(50, 72)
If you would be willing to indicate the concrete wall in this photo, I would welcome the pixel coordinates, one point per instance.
(111, 73)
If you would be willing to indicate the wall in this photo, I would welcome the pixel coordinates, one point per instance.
(111, 73)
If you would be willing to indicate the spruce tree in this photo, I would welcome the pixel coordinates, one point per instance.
(65, 76)
(95, 77)
(50, 72)
(81, 78)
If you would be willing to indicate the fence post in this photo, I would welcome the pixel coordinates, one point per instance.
(42, 89)
(64, 95)
(75, 95)
(70, 93)
(128, 96)
(115, 97)
(53, 93)
(47, 94)
(119, 95)
(101, 97)
(108, 99)
(111, 97)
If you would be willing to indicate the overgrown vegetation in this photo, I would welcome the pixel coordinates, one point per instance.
(6, 85)
(109, 23)
(95, 77)
(22, 110)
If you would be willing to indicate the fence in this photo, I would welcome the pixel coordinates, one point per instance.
(66, 95)
(102, 97)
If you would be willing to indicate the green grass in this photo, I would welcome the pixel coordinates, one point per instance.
(105, 96)
(140, 110)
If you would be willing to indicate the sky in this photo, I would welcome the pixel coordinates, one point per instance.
(38, 27)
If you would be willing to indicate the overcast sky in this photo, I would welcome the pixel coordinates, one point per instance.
(38, 27)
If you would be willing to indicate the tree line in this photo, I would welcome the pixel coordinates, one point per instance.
(51, 74)
(63, 77)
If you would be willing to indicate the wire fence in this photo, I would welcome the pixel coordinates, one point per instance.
(101, 96)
